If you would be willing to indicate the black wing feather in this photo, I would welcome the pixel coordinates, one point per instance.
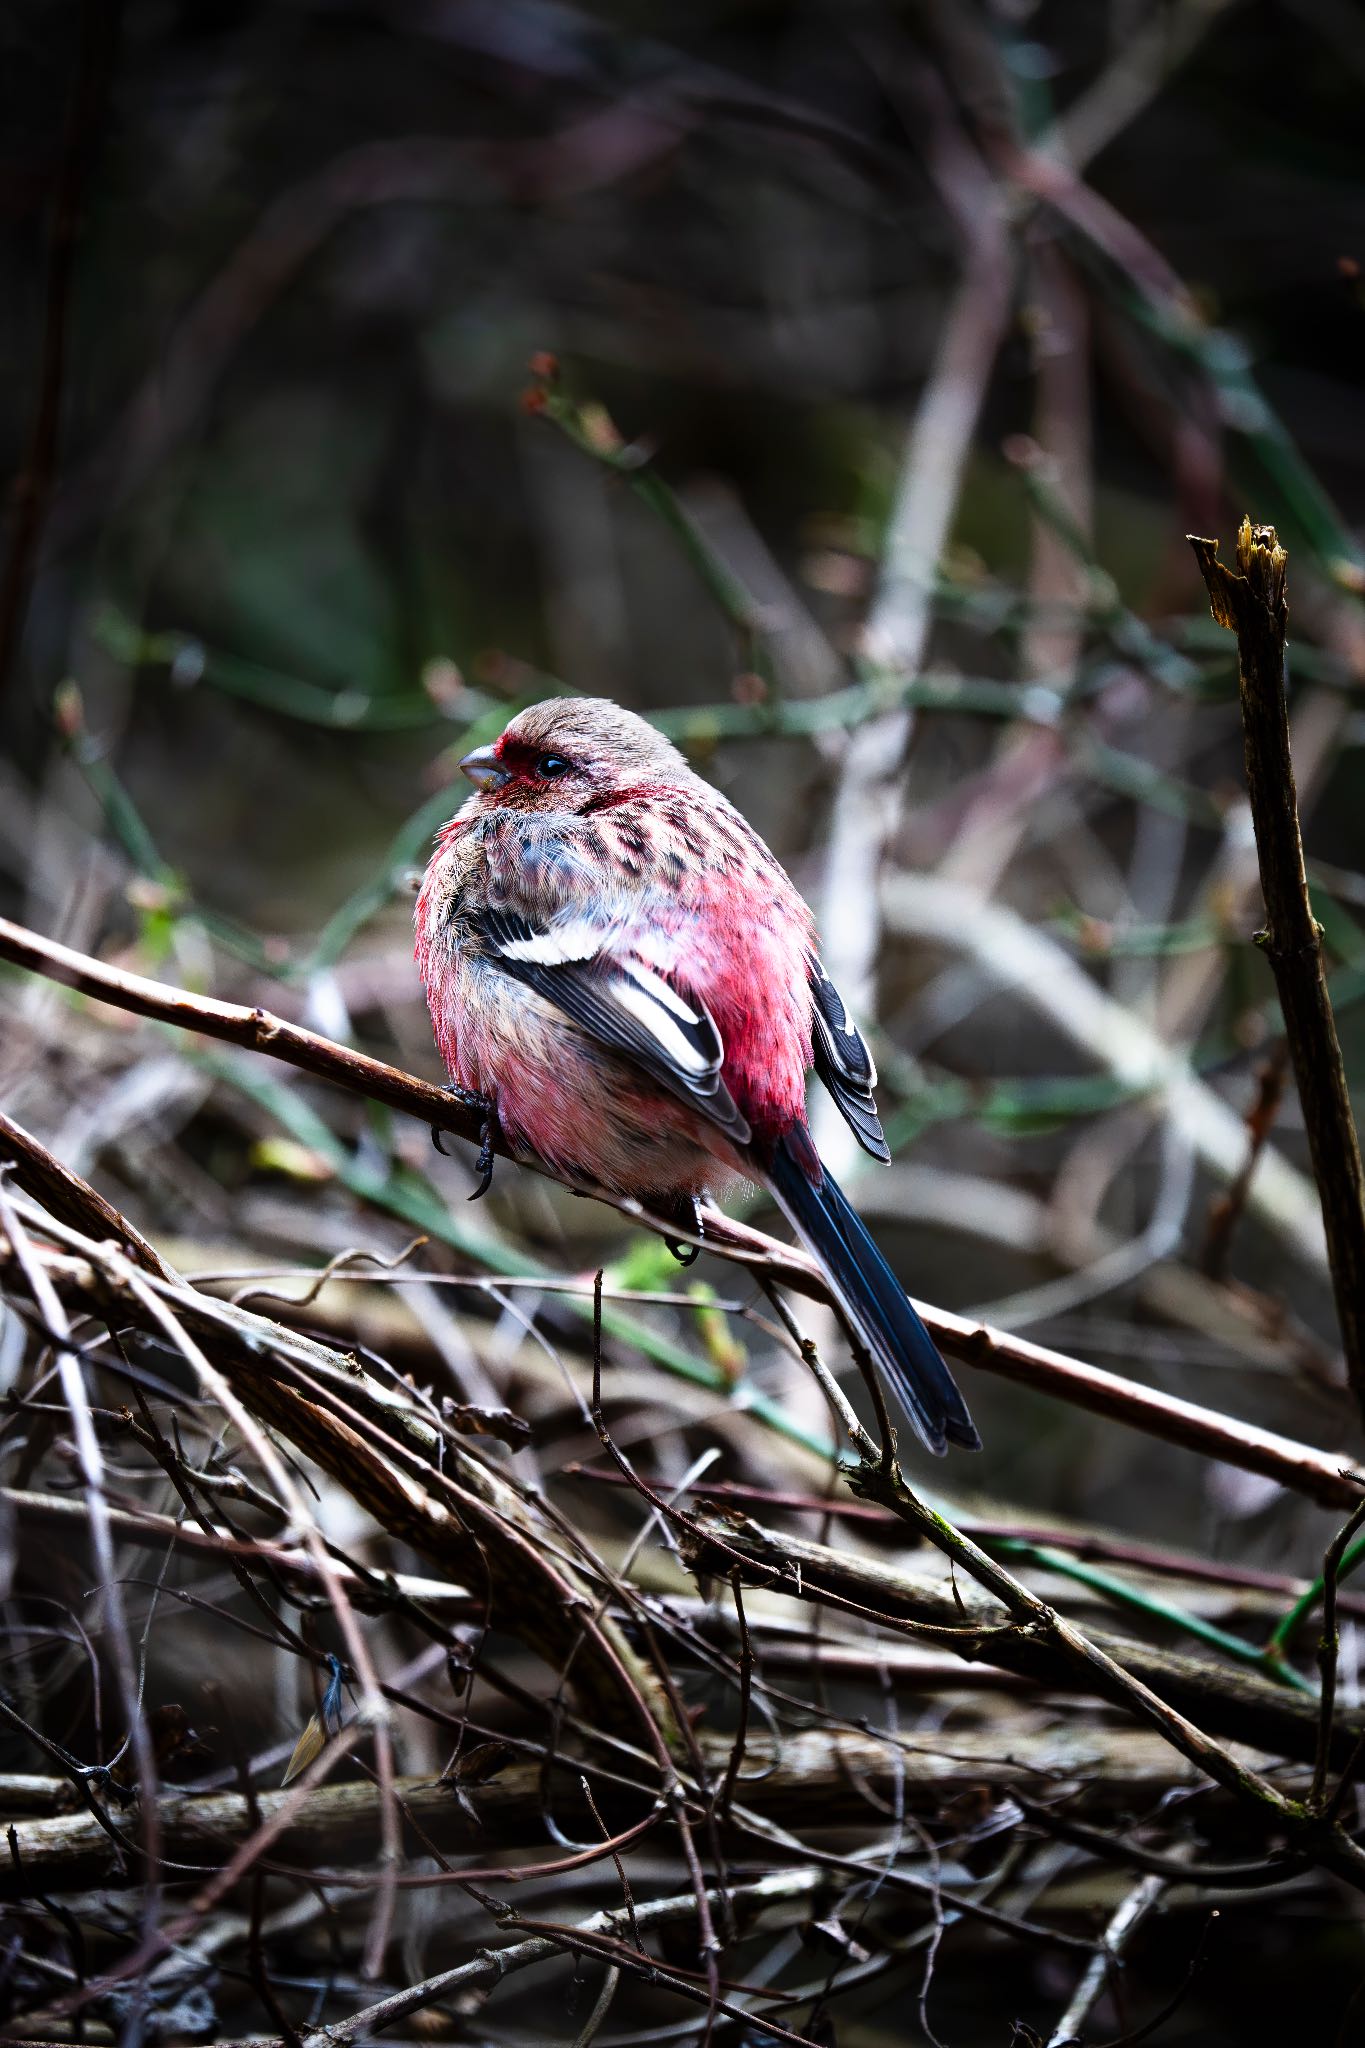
(844, 1063)
(596, 994)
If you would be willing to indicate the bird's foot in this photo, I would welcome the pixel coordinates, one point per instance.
(488, 1132)
(686, 1213)
(484, 1162)
(467, 1099)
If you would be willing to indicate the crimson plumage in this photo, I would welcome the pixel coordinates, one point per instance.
(619, 966)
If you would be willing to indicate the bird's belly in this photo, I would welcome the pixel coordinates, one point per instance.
(590, 1116)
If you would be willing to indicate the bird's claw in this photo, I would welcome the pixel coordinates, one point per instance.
(484, 1162)
(688, 1213)
(488, 1132)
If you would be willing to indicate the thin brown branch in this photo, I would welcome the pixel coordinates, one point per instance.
(1096, 1545)
(1113, 1676)
(57, 1512)
(467, 1520)
(1230, 1702)
(1226, 1211)
(255, 1030)
(1327, 1477)
(595, 1936)
(1100, 1770)
(1245, 1874)
(41, 1174)
(1025, 1625)
(1252, 603)
(1083, 1659)
(1321, 1475)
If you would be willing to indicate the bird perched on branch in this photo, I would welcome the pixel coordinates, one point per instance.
(624, 977)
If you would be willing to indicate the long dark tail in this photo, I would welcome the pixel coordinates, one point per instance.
(874, 1301)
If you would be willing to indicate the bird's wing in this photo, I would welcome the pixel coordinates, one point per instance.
(620, 1001)
(844, 1063)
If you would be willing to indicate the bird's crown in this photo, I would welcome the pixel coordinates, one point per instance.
(592, 732)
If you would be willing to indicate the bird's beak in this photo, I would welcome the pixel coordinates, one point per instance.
(482, 769)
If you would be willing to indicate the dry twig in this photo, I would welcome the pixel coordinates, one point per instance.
(1252, 603)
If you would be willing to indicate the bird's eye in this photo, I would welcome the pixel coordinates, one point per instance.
(551, 766)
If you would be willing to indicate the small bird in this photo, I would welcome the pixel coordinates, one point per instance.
(621, 973)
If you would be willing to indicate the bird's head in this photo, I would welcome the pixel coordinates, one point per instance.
(570, 754)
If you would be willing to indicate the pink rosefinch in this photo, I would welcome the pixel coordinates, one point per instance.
(619, 969)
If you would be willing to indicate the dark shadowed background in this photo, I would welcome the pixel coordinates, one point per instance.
(835, 383)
